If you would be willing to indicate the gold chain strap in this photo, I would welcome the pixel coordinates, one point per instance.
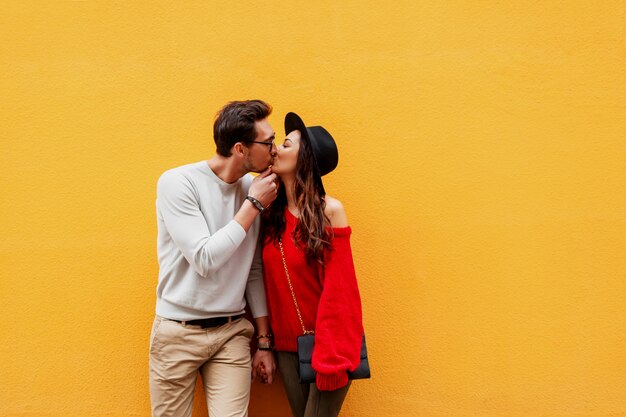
(293, 294)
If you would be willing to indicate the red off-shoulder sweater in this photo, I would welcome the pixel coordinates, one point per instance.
(329, 302)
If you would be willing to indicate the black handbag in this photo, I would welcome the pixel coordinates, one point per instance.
(306, 344)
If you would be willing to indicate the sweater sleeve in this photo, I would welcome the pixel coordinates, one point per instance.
(339, 327)
(179, 207)
(255, 289)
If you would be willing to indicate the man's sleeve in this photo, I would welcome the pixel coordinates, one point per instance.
(255, 289)
(178, 205)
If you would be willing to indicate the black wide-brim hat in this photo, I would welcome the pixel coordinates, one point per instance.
(325, 153)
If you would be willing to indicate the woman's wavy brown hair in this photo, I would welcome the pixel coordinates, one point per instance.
(312, 233)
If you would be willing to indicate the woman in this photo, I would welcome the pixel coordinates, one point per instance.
(309, 273)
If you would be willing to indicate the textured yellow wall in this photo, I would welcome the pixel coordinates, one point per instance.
(482, 165)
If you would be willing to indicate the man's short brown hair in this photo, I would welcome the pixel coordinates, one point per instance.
(235, 123)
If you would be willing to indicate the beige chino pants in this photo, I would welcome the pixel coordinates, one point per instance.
(221, 355)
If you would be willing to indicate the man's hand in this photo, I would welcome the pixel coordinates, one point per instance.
(263, 366)
(264, 187)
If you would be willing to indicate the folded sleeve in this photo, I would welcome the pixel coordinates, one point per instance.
(179, 208)
(339, 327)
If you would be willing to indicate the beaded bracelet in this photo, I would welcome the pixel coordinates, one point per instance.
(267, 336)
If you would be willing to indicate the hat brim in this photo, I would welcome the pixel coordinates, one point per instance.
(295, 122)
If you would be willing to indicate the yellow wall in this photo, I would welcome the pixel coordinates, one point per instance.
(481, 164)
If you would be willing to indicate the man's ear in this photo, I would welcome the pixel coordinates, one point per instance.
(238, 149)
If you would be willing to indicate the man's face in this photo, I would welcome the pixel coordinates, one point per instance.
(260, 153)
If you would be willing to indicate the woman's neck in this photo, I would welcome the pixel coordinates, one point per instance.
(289, 184)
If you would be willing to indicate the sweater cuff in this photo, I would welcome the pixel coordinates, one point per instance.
(235, 232)
(331, 382)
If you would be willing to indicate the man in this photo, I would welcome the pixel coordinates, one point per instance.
(209, 263)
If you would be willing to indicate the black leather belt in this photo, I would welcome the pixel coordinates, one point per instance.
(212, 322)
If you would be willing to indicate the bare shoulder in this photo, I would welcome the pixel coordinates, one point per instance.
(335, 212)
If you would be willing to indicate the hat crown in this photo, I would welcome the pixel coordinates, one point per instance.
(324, 148)
(325, 152)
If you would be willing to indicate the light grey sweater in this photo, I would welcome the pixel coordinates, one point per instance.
(207, 262)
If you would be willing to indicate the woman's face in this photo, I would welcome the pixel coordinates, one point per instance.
(286, 159)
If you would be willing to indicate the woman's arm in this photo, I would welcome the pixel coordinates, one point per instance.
(335, 212)
(338, 328)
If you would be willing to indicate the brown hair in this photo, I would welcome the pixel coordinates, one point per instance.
(312, 233)
(235, 123)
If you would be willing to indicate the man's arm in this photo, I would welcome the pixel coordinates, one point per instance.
(263, 363)
(184, 221)
(264, 189)
(263, 360)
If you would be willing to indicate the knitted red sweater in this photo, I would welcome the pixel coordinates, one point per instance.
(330, 305)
